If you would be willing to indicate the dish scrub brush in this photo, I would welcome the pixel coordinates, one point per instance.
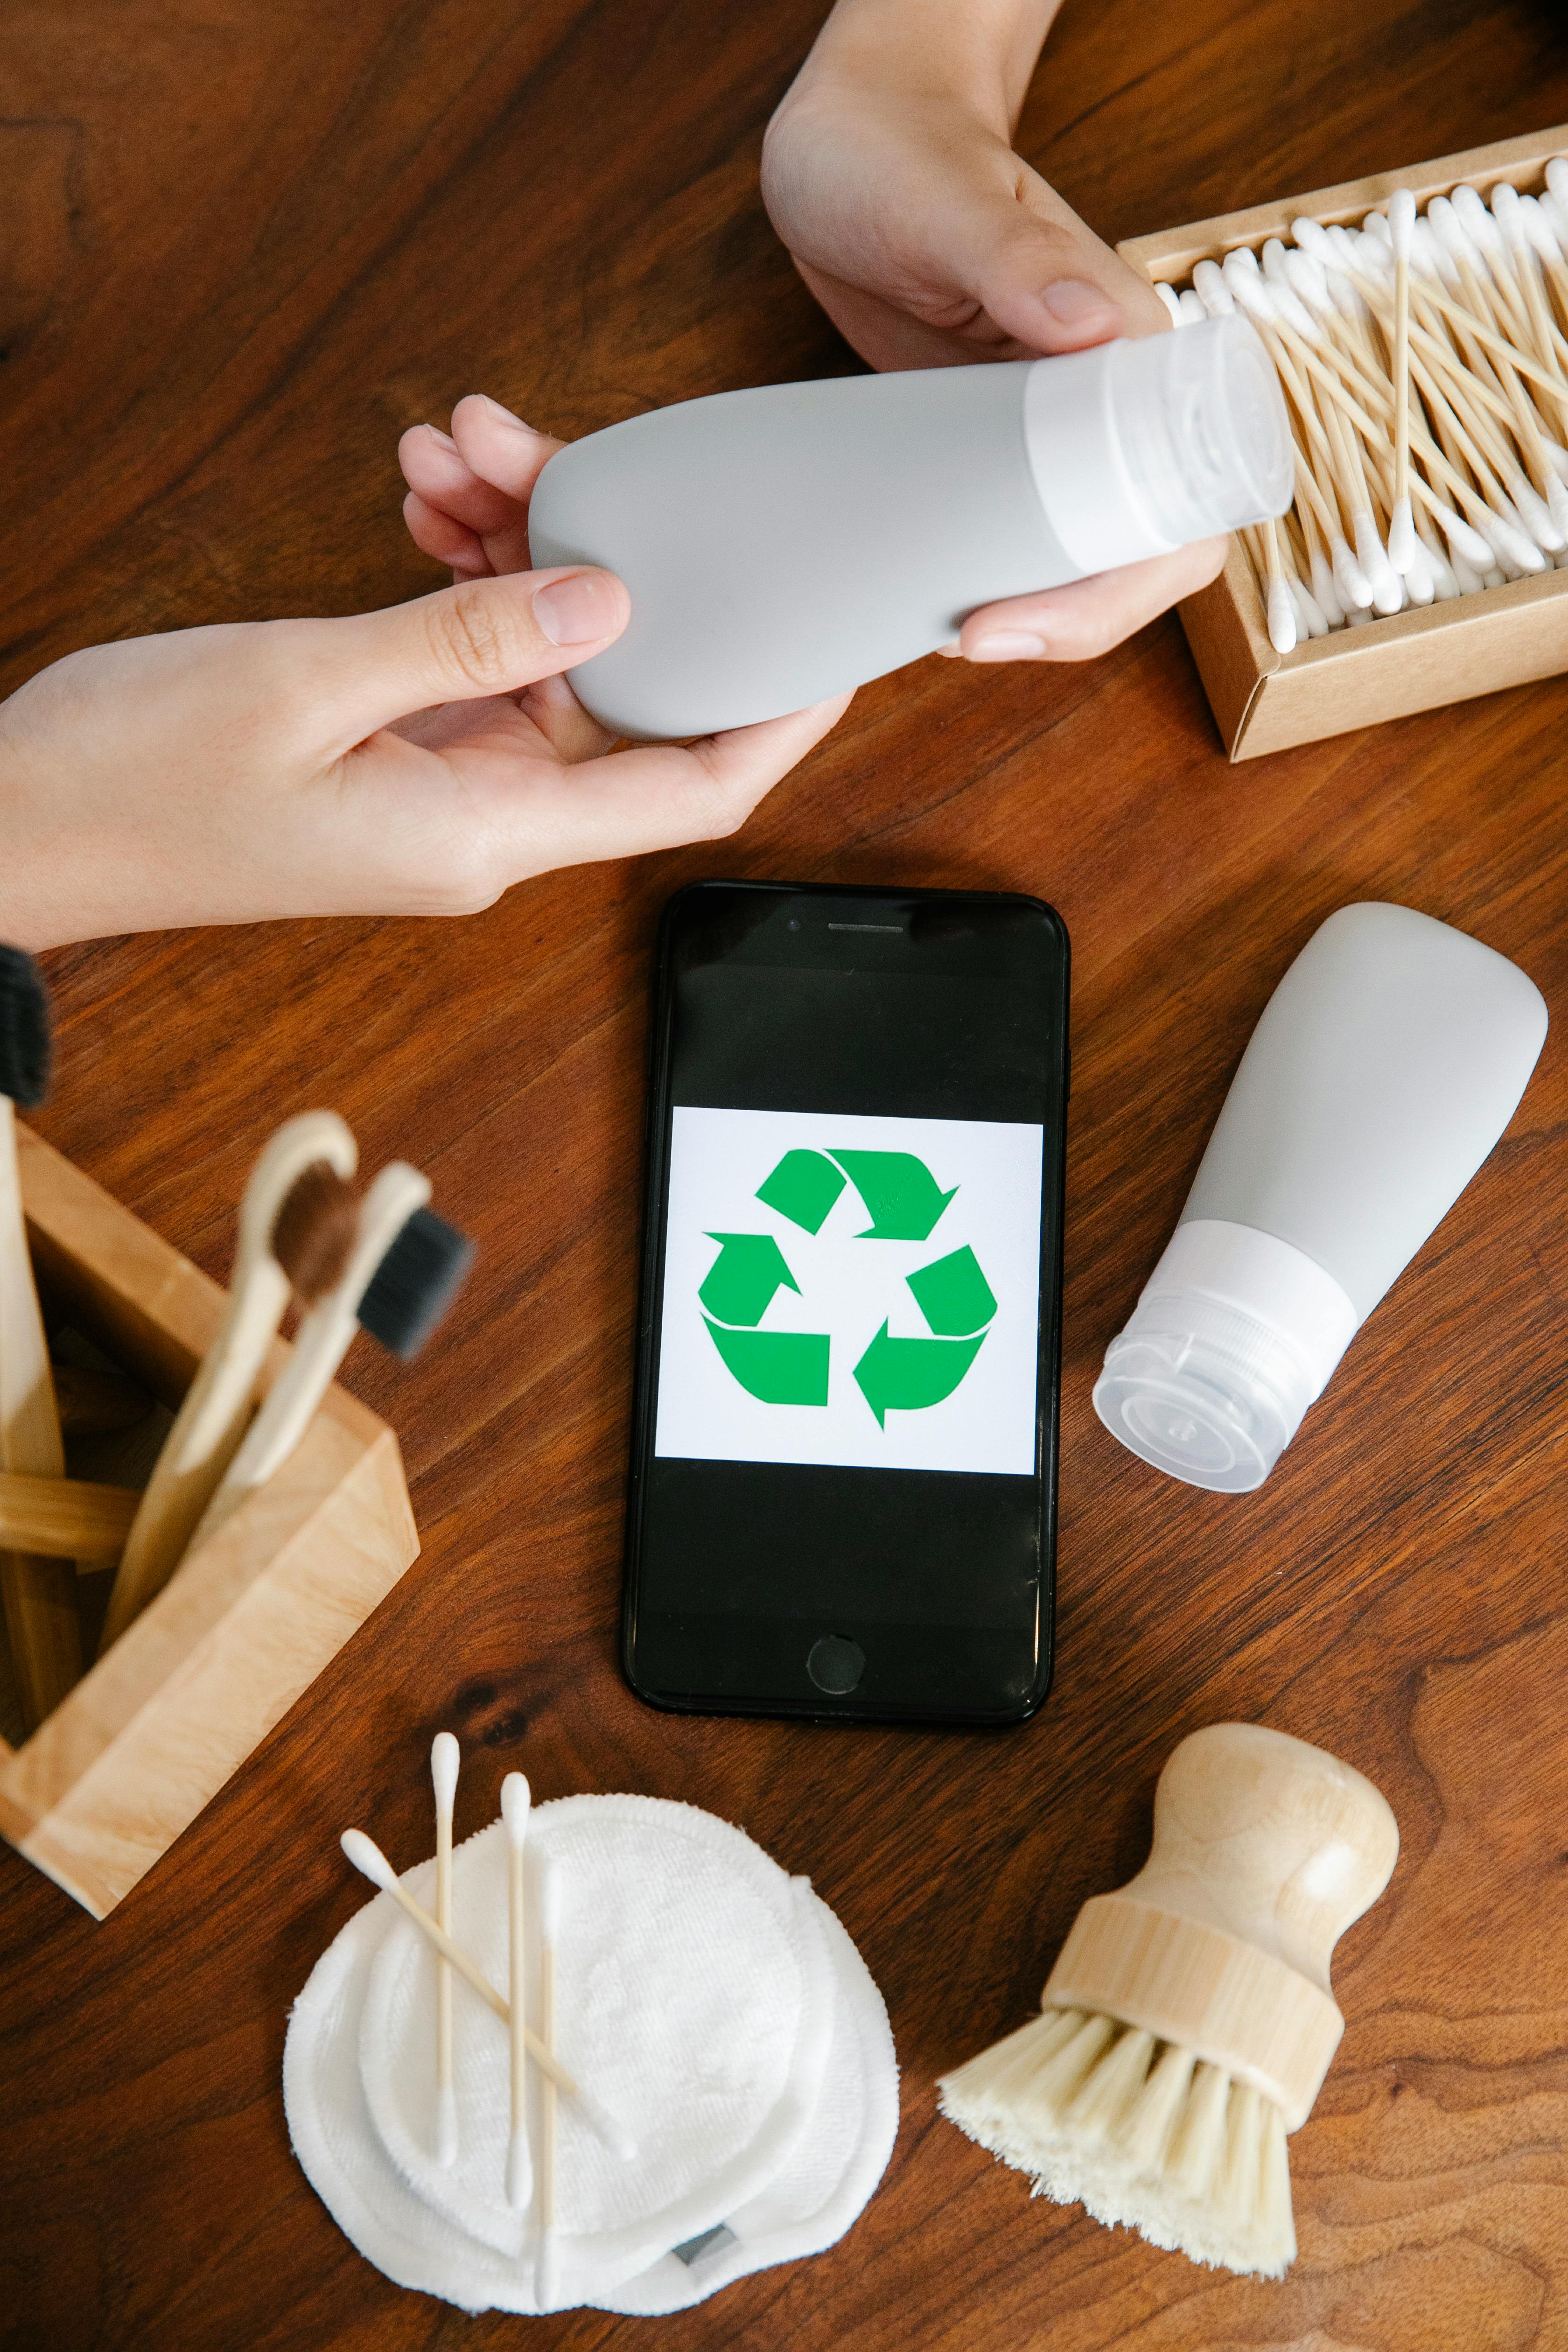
(1187, 2025)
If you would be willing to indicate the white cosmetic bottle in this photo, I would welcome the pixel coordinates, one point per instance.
(1387, 1065)
(785, 544)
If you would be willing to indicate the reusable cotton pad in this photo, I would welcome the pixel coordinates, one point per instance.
(714, 2006)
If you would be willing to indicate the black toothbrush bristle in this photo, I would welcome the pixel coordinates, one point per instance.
(24, 1043)
(416, 1283)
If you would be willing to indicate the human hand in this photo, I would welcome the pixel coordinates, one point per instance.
(888, 172)
(415, 761)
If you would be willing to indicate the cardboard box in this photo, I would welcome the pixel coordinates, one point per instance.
(107, 1781)
(1416, 660)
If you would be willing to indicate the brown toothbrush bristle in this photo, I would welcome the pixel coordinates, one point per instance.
(314, 1231)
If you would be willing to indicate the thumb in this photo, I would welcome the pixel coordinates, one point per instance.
(482, 637)
(1043, 275)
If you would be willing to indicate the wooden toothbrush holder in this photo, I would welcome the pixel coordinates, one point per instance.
(1263, 701)
(107, 1781)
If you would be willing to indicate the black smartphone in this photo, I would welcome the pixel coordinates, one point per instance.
(843, 1480)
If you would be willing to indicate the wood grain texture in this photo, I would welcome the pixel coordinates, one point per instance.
(254, 243)
(68, 1518)
(1265, 1849)
(139, 1745)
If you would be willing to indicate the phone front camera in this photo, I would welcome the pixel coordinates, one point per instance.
(793, 923)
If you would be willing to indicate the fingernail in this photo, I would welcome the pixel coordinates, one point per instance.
(1008, 644)
(954, 652)
(1074, 302)
(437, 435)
(504, 414)
(572, 612)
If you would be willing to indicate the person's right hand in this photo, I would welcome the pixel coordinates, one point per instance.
(930, 242)
(469, 489)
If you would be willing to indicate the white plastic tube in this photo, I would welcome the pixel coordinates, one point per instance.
(785, 544)
(1387, 1065)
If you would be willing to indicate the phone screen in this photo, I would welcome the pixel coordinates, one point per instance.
(843, 1478)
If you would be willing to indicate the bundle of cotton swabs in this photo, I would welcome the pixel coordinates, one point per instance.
(1425, 362)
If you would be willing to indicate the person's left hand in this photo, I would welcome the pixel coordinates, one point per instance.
(417, 760)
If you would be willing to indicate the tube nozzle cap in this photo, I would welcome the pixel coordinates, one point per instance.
(1233, 1335)
(1140, 447)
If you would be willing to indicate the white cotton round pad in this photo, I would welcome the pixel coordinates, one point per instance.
(692, 1998)
(833, 2169)
(713, 2004)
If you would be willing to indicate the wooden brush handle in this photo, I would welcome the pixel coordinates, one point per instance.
(199, 1447)
(1264, 1852)
(1269, 1839)
(66, 1519)
(212, 1420)
(320, 1344)
(38, 1595)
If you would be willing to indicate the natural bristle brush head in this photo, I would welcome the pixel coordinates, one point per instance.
(416, 1283)
(1188, 2024)
(314, 1231)
(26, 1045)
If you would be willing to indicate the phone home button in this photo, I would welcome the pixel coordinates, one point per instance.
(836, 1665)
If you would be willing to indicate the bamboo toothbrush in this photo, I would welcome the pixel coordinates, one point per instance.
(297, 1225)
(548, 1907)
(38, 1594)
(1187, 2025)
(369, 1860)
(444, 1759)
(514, 1813)
(402, 1273)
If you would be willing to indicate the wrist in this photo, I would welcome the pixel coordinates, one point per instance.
(974, 58)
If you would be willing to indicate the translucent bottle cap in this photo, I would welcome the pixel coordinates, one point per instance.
(1203, 1391)
(1140, 447)
(1235, 1333)
(1203, 429)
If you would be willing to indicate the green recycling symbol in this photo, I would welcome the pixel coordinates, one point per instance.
(905, 1203)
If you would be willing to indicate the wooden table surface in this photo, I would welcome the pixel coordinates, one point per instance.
(249, 245)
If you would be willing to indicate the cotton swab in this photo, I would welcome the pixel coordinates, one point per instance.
(514, 1813)
(1401, 528)
(1281, 611)
(1424, 363)
(1368, 578)
(368, 1859)
(548, 1907)
(1509, 218)
(444, 1758)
